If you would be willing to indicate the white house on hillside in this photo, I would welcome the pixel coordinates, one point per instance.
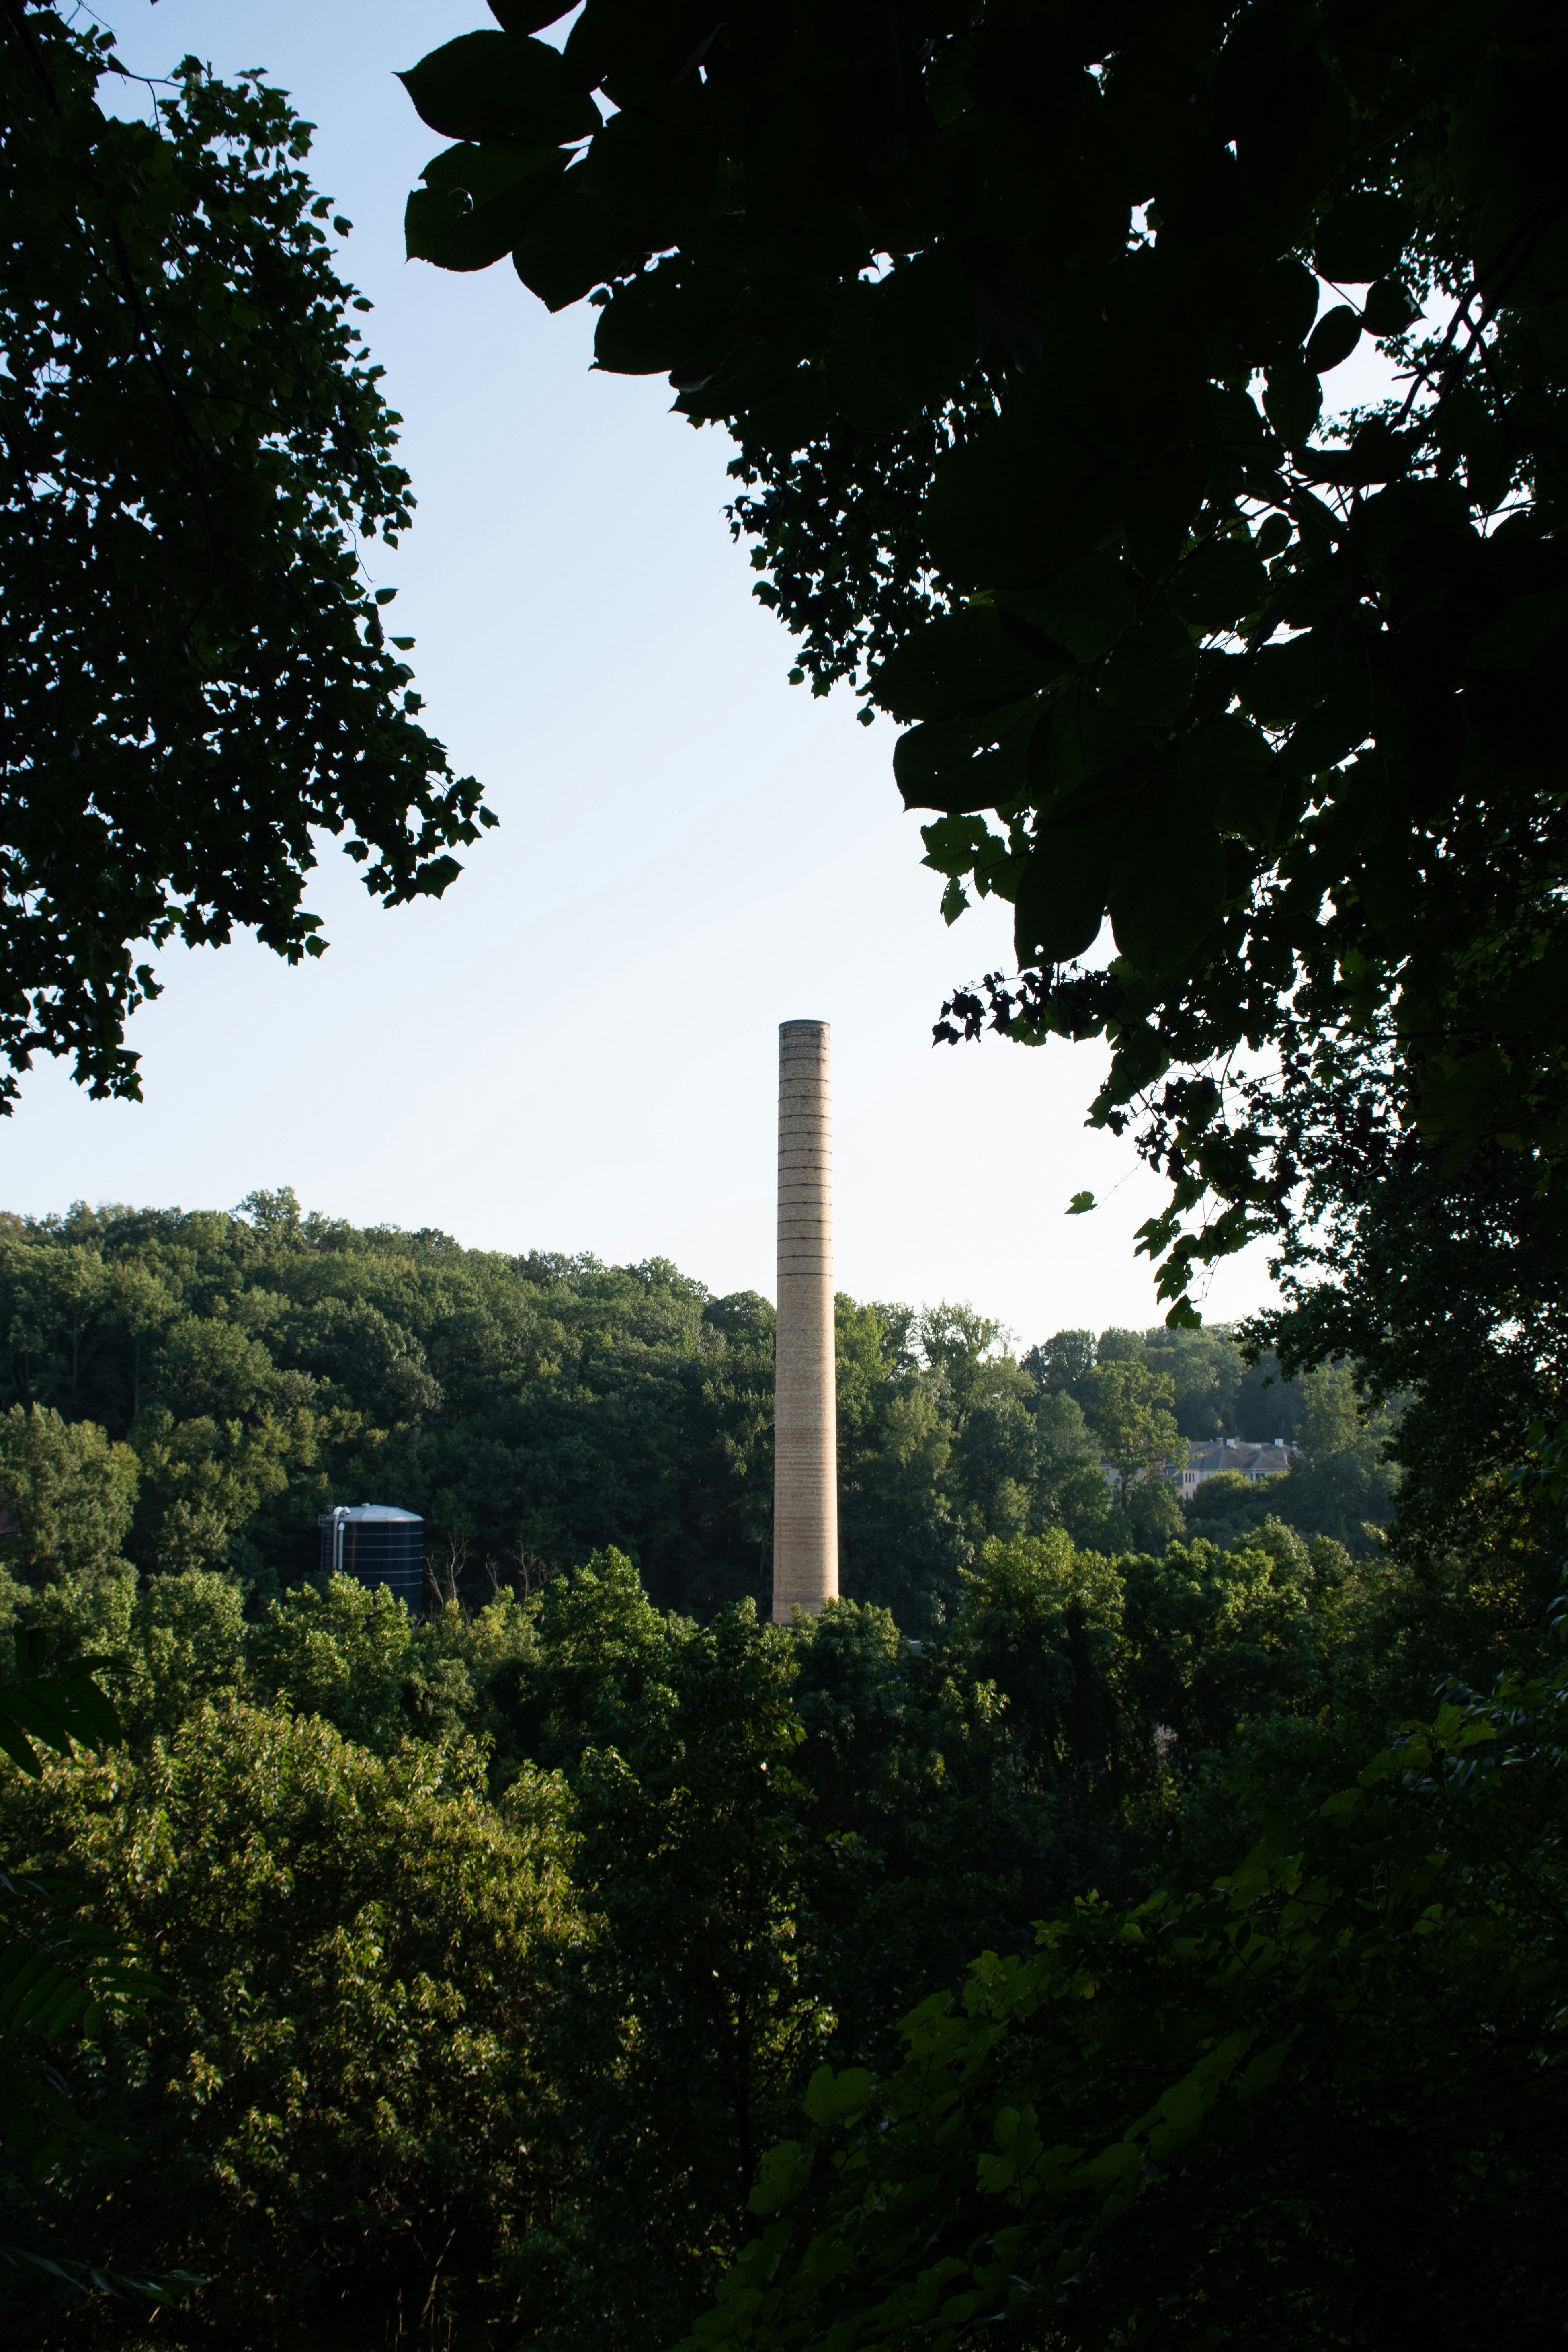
(1205, 1461)
(1230, 1453)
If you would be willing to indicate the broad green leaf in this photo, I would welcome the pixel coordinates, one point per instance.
(1167, 885)
(1220, 584)
(1059, 891)
(1376, 454)
(569, 247)
(1238, 427)
(922, 338)
(1085, 737)
(962, 764)
(1183, 2108)
(1149, 676)
(859, 392)
(1333, 339)
(1226, 765)
(1280, 682)
(956, 844)
(483, 174)
(489, 85)
(781, 2177)
(1522, 629)
(1085, 608)
(786, 416)
(477, 203)
(1329, 734)
(1389, 309)
(1388, 884)
(528, 15)
(1263, 2072)
(959, 662)
(664, 318)
(832, 2098)
(1293, 399)
(60, 1710)
(1028, 494)
(92, 2278)
(792, 312)
(1275, 313)
(1363, 237)
(1296, 137)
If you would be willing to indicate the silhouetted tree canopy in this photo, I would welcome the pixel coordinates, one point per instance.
(195, 445)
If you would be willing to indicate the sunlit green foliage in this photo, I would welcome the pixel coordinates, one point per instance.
(70, 1493)
(502, 1944)
(187, 1391)
(340, 2104)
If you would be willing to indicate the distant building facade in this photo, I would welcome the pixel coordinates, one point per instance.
(1207, 1459)
(1253, 1462)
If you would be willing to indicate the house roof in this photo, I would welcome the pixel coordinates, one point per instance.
(1253, 1461)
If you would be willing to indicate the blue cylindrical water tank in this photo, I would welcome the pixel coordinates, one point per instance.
(376, 1545)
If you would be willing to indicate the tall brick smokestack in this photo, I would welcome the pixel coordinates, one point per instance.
(806, 1428)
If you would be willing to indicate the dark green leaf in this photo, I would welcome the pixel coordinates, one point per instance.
(1085, 737)
(1363, 237)
(1280, 682)
(1168, 886)
(1226, 767)
(1389, 881)
(923, 336)
(476, 204)
(961, 764)
(1292, 400)
(527, 16)
(1388, 308)
(1274, 314)
(1333, 339)
(1330, 733)
(1292, 142)
(960, 662)
(666, 320)
(488, 85)
(1059, 891)
(1086, 608)
(59, 1709)
(1149, 676)
(1523, 627)
(838, 2098)
(1220, 583)
(1376, 454)
(569, 247)
(859, 392)
(1024, 497)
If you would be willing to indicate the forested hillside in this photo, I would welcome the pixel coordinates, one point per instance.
(498, 1950)
(206, 1384)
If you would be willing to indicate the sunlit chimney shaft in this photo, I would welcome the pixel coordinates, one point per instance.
(806, 1439)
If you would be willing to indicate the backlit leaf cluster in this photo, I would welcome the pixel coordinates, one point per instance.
(192, 448)
(1026, 320)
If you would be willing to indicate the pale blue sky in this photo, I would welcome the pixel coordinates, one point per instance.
(576, 1048)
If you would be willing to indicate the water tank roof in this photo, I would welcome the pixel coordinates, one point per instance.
(362, 1511)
